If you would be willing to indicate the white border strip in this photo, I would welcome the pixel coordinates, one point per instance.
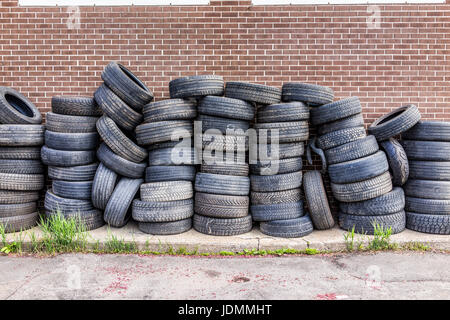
(71, 3)
(313, 2)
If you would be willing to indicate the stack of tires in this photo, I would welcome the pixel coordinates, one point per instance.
(427, 190)
(21, 170)
(223, 186)
(70, 144)
(166, 205)
(121, 98)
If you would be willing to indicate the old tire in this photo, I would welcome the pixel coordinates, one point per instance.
(21, 166)
(103, 186)
(335, 111)
(222, 184)
(76, 106)
(356, 149)
(398, 161)
(226, 108)
(166, 228)
(64, 158)
(222, 227)
(365, 224)
(21, 182)
(170, 109)
(317, 201)
(312, 94)
(20, 153)
(277, 182)
(277, 211)
(76, 173)
(15, 108)
(120, 165)
(295, 131)
(72, 189)
(427, 189)
(169, 173)
(340, 137)
(428, 223)
(272, 167)
(292, 195)
(353, 121)
(17, 209)
(53, 203)
(292, 228)
(71, 141)
(196, 86)
(19, 223)
(162, 131)
(221, 206)
(15, 197)
(70, 124)
(173, 156)
(166, 211)
(428, 131)
(427, 206)
(166, 191)
(253, 92)
(21, 135)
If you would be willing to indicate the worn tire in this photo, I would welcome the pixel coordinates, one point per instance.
(296, 131)
(90, 219)
(278, 182)
(340, 137)
(19, 223)
(64, 158)
(71, 141)
(118, 210)
(398, 161)
(15, 197)
(170, 109)
(286, 150)
(103, 186)
(215, 141)
(317, 201)
(173, 157)
(126, 85)
(427, 189)
(17, 209)
(253, 92)
(427, 206)
(118, 142)
(76, 106)
(363, 190)
(388, 203)
(226, 108)
(292, 195)
(169, 173)
(196, 86)
(221, 206)
(162, 131)
(353, 121)
(166, 211)
(428, 223)
(120, 165)
(222, 184)
(312, 94)
(53, 203)
(335, 111)
(15, 108)
(21, 166)
(272, 167)
(224, 125)
(70, 124)
(292, 228)
(292, 111)
(426, 150)
(115, 108)
(359, 169)
(364, 224)
(20, 153)
(428, 131)
(222, 227)
(277, 211)
(76, 173)
(224, 168)
(21, 182)
(166, 228)
(166, 191)
(72, 189)
(395, 122)
(21, 135)
(429, 170)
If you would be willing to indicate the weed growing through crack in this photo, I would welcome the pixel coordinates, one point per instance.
(381, 238)
(351, 241)
(116, 245)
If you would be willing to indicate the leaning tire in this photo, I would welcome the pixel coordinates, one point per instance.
(365, 224)
(196, 86)
(15, 108)
(398, 161)
(118, 164)
(103, 186)
(292, 228)
(253, 92)
(317, 201)
(428, 223)
(222, 227)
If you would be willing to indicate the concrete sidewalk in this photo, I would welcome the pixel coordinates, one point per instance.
(328, 240)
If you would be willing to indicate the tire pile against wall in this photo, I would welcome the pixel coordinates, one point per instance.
(21, 170)
(427, 190)
(71, 140)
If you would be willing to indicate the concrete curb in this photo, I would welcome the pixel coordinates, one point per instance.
(327, 240)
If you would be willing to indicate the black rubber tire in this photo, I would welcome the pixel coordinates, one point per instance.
(253, 92)
(162, 131)
(215, 141)
(426, 150)
(226, 108)
(222, 227)
(388, 203)
(20, 153)
(53, 203)
(166, 228)
(365, 224)
(221, 206)
(312, 147)
(196, 86)
(286, 150)
(222, 184)
(278, 182)
(166, 211)
(317, 201)
(21, 166)
(166, 191)
(169, 173)
(429, 170)
(115, 108)
(72, 189)
(90, 219)
(103, 186)
(118, 210)
(428, 223)
(427, 189)
(76, 173)
(17, 209)
(19, 223)
(353, 121)
(70, 124)
(359, 169)
(428, 131)
(427, 206)
(15, 197)
(287, 131)
(292, 111)
(71, 141)
(173, 157)
(224, 125)
(21, 135)
(362, 190)
(118, 142)
(76, 106)
(64, 158)
(398, 161)
(120, 165)
(271, 167)
(126, 85)
(335, 111)
(170, 109)
(169, 144)
(292, 228)
(312, 94)
(277, 211)
(21, 182)
(224, 168)
(292, 195)
(15, 108)
(395, 122)
(340, 137)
